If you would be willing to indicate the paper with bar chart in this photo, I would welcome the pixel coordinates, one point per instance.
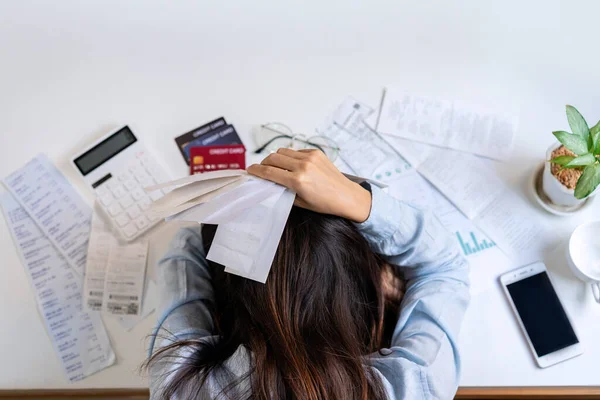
(486, 259)
(472, 244)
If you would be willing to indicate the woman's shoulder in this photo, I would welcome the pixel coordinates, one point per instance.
(236, 368)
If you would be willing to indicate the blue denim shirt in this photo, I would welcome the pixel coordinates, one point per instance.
(423, 361)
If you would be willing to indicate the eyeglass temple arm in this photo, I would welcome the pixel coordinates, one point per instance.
(264, 146)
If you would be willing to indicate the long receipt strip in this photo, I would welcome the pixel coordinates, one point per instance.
(55, 206)
(78, 337)
(102, 240)
(125, 277)
(448, 124)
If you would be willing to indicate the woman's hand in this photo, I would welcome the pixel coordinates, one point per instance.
(318, 184)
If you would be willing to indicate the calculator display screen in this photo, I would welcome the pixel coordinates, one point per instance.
(105, 150)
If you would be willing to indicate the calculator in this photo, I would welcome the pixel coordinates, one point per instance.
(118, 167)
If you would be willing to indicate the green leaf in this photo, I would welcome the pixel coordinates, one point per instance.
(588, 181)
(595, 135)
(575, 143)
(577, 123)
(586, 159)
(562, 160)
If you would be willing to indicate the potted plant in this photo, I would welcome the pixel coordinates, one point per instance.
(573, 170)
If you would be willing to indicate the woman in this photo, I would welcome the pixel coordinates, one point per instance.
(316, 329)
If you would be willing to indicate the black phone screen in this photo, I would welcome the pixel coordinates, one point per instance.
(543, 316)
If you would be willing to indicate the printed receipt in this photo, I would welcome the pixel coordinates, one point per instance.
(100, 243)
(55, 207)
(102, 240)
(361, 148)
(125, 277)
(78, 337)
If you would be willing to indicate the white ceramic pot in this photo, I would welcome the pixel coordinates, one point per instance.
(555, 190)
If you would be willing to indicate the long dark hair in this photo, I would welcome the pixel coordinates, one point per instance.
(308, 330)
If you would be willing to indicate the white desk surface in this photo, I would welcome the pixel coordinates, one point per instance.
(71, 70)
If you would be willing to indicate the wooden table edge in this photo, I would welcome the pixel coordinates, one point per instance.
(563, 392)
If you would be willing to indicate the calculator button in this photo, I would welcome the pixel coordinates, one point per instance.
(136, 168)
(130, 185)
(145, 203)
(122, 219)
(107, 199)
(129, 230)
(141, 177)
(126, 201)
(138, 193)
(152, 216)
(133, 211)
(119, 191)
(101, 190)
(124, 176)
(113, 183)
(114, 209)
(147, 182)
(142, 222)
(155, 195)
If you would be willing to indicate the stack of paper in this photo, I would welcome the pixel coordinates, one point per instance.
(462, 190)
(251, 214)
(50, 225)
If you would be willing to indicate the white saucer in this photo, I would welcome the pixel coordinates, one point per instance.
(547, 204)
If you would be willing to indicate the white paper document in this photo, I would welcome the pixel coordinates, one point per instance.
(183, 194)
(125, 278)
(100, 242)
(475, 189)
(513, 225)
(486, 260)
(465, 179)
(149, 304)
(231, 204)
(227, 173)
(247, 245)
(361, 148)
(414, 152)
(445, 123)
(55, 206)
(78, 336)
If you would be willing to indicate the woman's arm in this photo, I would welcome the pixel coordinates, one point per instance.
(186, 293)
(436, 296)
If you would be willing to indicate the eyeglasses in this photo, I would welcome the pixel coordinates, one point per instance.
(275, 135)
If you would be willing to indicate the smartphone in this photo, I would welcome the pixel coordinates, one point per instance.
(541, 315)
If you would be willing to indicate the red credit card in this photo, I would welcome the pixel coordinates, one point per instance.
(215, 158)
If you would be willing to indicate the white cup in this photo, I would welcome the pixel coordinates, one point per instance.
(583, 255)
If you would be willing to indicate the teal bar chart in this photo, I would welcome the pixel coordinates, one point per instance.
(473, 245)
